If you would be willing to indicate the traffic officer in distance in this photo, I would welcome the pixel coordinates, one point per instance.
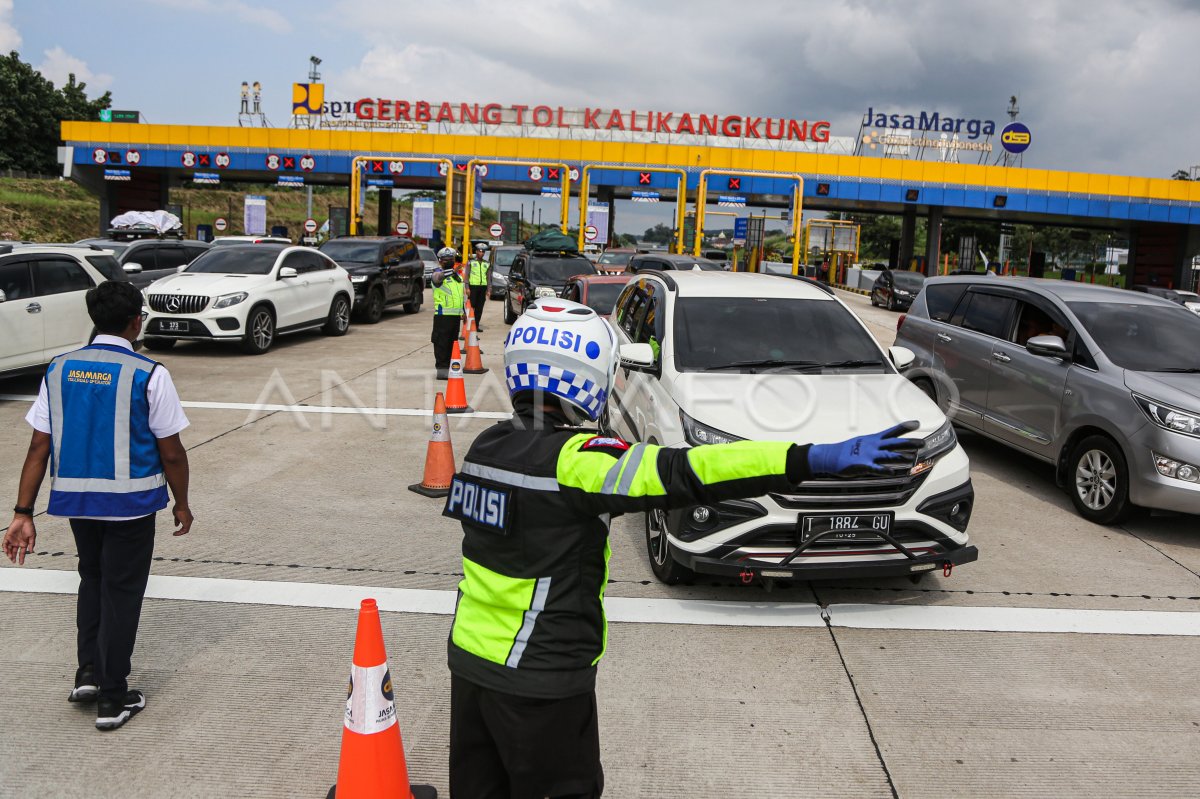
(535, 495)
(447, 310)
(477, 279)
(112, 419)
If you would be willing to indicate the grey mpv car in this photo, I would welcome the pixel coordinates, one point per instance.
(1102, 383)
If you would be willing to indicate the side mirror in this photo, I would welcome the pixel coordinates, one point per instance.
(902, 357)
(1047, 346)
(286, 272)
(636, 356)
(132, 268)
(178, 268)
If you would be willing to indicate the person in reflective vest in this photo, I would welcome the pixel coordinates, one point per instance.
(448, 309)
(535, 496)
(106, 423)
(477, 280)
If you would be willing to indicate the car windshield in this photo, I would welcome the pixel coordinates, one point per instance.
(250, 260)
(426, 254)
(557, 270)
(350, 251)
(117, 247)
(753, 334)
(107, 266)
(615, 258)
(908, 280)
(601, 297)
(504, 260)
(1143, 337)
(692, 263)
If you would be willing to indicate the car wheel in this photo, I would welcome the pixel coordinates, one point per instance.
(509, 316)
(1099, 481)
(874, 304)
(658, 547)
(158, 344)
(338, 321)
(373, 310)
(260, 331)
(891, 305)
(414, 305)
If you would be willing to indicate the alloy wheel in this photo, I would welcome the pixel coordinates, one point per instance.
(1096, 479)
(262, 329)
(656, 534)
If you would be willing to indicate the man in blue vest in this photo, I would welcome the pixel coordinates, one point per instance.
(107, 424)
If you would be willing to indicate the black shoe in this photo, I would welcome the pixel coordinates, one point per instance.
(85, 689)
(443, 374)
(112, 713)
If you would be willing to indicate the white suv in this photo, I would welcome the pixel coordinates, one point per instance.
(249, 293)
(748, 356)
(43, 312)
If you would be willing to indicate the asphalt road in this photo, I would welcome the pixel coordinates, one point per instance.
(302, 509)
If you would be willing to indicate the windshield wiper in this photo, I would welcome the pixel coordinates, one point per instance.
(766, 364)
(852, 363)
(1180, 370)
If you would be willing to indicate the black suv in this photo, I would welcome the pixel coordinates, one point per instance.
(146, 259)
(385, 270)
(663, 261)
(540, 274)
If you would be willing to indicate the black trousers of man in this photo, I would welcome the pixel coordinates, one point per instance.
(446, 328)
(114, 565)
(515, 747)
(478, 298)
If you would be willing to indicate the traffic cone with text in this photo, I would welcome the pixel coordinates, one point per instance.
(456, 389)
(439, 455)
(474, 359)
(372, 762)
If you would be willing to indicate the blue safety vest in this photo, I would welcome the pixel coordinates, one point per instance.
(104, 458)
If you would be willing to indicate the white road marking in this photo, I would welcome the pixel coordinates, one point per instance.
(330, 409)
(650, 611)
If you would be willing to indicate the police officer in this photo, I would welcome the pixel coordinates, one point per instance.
(477, 279)
(534, 496)
(111, 419)
(447, 310)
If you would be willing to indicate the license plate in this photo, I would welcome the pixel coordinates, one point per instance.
(845, 526)
(173, 326)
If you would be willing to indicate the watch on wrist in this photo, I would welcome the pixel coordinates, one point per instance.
(24, 510)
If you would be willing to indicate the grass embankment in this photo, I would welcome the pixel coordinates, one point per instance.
(63, 211)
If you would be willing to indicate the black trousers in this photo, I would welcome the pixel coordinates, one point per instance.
(114, 565)
(514, 747)
(478, 298)
(445, 330)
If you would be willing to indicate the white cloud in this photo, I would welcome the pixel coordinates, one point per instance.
(263, 19)
(10, 39)
(59, 65)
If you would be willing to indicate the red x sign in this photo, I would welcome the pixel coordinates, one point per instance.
(461, 167)
(644, 178)
(735, 184)
(376, 166)
(289, 162)
(553, 173)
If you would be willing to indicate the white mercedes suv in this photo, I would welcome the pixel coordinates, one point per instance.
(747, 356)
(249, 293)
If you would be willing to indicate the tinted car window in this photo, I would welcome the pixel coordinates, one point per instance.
(194, 252)
(908, 280)
(602, 296)
(986, 313)
(1145, 338)
(15, 281)
(107, 266)
(229, 260)
(143, 255)
(171, 257)
(426, 254)
(59, 276)
(615, 258)
(1033, 321)
(407, 251)
(351, 251)
(557, 270)
(941, 298)
(504, 260)
(726, 332)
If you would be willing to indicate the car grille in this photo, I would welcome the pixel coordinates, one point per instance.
(178, 303)
(881, 492)
(788, 537)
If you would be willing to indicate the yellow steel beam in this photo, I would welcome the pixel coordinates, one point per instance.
(565, 182)
(585, 189)
(797, 205)
(356, 182)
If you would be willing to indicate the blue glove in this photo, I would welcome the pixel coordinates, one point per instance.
(878, 453)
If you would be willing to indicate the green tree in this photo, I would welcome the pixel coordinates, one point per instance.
(659, 234)
(30, 112)
(1181, 174)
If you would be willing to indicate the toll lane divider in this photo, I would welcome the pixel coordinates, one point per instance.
(330, 409)
(650, 610)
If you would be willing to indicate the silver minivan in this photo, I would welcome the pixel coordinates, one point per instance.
(1103, 383)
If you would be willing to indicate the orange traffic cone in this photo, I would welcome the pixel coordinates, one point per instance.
(468, 321)
(439, 456)
(456, 389)
(372, 763)
(474, 361)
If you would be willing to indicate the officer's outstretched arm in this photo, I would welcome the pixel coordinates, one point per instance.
(606, 475)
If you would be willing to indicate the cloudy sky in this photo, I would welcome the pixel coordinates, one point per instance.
(1105, 86)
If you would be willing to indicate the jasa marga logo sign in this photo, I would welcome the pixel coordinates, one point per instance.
(932, 122)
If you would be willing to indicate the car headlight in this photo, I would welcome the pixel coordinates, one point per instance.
(545, 291)
(226, 300)
(903, 293)
(935, 445)
(499, 280)
(697, 434)
(1169, 418)
(358, 278)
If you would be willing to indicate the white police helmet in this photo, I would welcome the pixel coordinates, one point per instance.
(565, 349)
(447, 254)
